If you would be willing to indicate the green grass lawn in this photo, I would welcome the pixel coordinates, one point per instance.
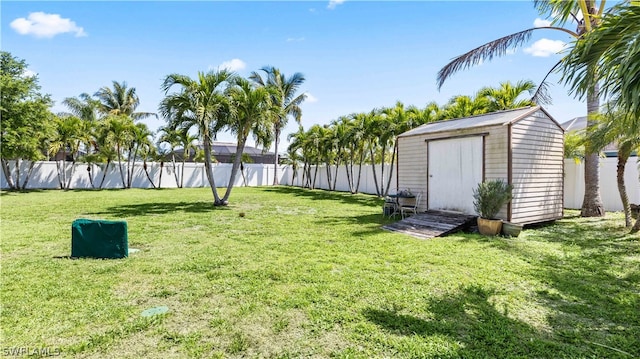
(309, 274)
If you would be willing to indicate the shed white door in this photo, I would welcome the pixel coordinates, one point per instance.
(455, 169)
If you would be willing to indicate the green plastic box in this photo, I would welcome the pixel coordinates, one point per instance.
(99, 239)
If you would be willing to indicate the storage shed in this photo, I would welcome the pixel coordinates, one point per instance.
(446, 160)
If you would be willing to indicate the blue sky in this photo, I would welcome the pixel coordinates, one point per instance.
(355, 55)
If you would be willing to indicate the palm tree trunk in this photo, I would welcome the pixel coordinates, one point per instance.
(349, 176)
(73, 167)
(90, 173)
(328, 169)
(275, 149)
(132, 166)
(592, 203)
(146, 172)
(360, 170)
(104, 173)
(393, 158)
(29, 172)
(315, 176)
(124, 185)
(60, 175)
(160, 177)
(373, 169)
(173, 165)
(234, 169)
(624, 152)
(7, 173)
(18, 172)
(207, 163)
(335, 177)
(384, 151)
(182, 170)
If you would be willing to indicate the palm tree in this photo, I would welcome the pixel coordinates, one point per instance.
(120, 131)
(250, 112)
(140, 137)
(188, 143)
(464, 106)
(297, 145)
(587, 16)
(171, 136)
(200, 103)
(613, 48)
(284, 98)
(120, 101)
(506, 96)
(613, 129)
(66, 140)
(86, 107)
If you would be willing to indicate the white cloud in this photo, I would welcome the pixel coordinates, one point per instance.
(541, 23)
(295, 39)
(232, 65)
(333, 3)
(310, 98)
(545, 47)
(44, 25)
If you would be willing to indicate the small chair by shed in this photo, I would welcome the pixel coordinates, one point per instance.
(447, 159)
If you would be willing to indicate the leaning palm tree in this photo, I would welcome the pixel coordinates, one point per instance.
(250, 113)
(200, 103)
(587, 16)
(284, 98)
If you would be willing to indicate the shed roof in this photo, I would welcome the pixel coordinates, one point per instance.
(488, 119)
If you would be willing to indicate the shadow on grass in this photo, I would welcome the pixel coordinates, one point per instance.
(590, 284)
(324, 195)
(156, 208)
(470, 319)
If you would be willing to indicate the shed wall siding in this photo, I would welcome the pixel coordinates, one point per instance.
(412, 167)
(537, 169)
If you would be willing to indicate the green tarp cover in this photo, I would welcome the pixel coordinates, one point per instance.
(99, 239)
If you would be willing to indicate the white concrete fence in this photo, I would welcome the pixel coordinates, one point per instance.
(45, 176)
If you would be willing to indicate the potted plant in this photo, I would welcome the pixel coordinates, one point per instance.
(488, 198)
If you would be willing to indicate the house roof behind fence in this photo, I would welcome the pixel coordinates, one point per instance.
(488, 119)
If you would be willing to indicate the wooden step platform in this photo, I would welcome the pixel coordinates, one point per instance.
(431, 224)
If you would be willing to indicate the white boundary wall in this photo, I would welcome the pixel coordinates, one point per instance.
(45, 176)
(574, 183)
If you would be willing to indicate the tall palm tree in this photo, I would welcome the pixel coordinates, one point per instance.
(200, 103)
(250, 113)
(508, 96)
(284, 98)
(120, 101)
(587, 15)
(86, 108)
